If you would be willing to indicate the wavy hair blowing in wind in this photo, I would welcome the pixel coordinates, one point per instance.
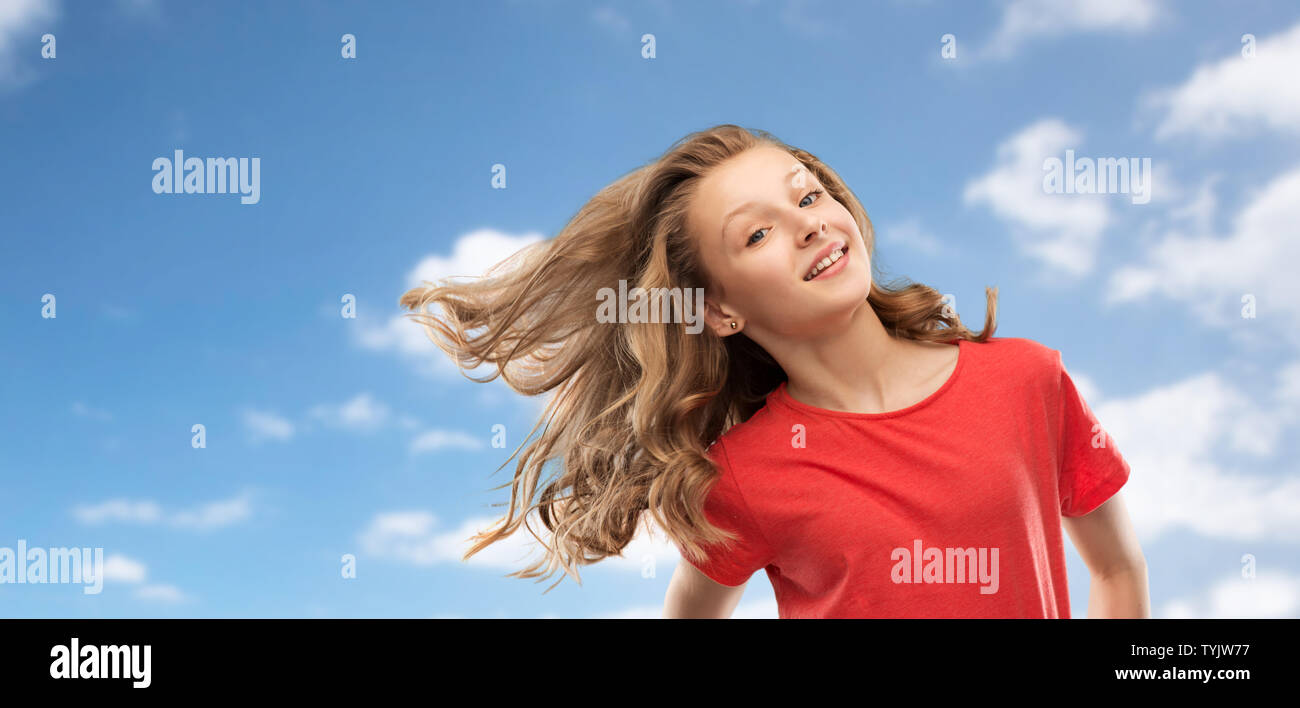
(635, 406)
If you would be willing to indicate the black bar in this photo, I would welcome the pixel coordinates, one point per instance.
(498, 655)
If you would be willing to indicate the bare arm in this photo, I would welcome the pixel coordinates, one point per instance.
(1109, 547)
(694, 595)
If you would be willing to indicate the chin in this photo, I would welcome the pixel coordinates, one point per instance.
(861, 287)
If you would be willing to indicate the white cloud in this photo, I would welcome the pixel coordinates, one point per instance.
(265, 425)
(1210, 275)
(473, 255)
(124, 510)
(1198, 209)
(408, 422)
(1288, 391)
(121, 569)
(215, 514)
(22, 23)
(211, 515)
(1025, 20)
(414, 537)
(118, 568)
(1084, 385)
(1266, 596)
(911, 234)
(411, 537)
(434, 440)
(1060, 230)
(1236, 94)
(363, 413)
(405, 336)
(169, 594)
(86, 411)
(1194, 448)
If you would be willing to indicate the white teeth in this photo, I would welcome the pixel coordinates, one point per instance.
(834, 256)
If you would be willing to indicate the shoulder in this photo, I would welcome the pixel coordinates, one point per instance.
(1020, 364)
(745, 449)
(748, 438)
(1020, 354)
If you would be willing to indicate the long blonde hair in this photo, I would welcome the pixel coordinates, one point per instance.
(635, 406)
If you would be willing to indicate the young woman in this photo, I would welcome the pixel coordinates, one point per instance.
(856, 441)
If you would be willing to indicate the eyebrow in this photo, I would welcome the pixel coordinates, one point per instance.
(749, 205)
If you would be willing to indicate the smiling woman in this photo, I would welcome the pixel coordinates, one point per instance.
(782, 251)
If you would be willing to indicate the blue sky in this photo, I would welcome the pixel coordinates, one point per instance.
(328, 436)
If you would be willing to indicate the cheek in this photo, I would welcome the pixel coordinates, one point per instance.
(765, 286)
(844, 220)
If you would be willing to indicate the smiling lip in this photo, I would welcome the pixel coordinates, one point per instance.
(833, 268)
(825, 252)
(844, 251)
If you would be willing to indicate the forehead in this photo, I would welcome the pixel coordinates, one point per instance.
(758, 174)
(753, 172)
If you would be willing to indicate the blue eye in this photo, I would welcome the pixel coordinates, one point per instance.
(817, 192)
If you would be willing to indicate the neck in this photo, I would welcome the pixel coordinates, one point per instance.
(854, 368)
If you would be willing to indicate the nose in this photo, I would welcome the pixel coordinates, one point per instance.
(820, 230)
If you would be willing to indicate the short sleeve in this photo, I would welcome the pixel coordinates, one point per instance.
(1091, 467)
(725, 506)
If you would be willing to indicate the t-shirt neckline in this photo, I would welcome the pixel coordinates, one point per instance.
(783, 397)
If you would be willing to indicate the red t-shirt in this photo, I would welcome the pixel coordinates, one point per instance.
(950, 507)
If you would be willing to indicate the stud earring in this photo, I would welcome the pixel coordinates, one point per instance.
(733, 325)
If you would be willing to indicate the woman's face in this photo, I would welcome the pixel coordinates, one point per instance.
(760, 226)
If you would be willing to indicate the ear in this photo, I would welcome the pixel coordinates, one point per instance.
(719, 318)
